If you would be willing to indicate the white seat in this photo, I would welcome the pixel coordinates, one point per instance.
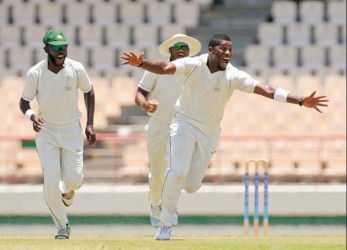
(50, 14)
(70, 32)
(342, 33)
(159, 13)
(298, 34)
(105, 13)
(118, 1)
(336, 11)
(20, 59)
(145, 35)
(132, 13)
(270, 34)
(9, 36)
(103, 59)
(23, 13)
(203, 3)
(326, 34)
(118, 35)
(257, 56)
(152, 53)
(337, 57)
(171, 29)
(33, 35)
(187, 13)
(284, 17)
(285, 57)
(77, 13)
(4, 14)
(313, 57)
(174, 1)
(311, 12)
(90, 35)
(80, 54)
(39, 54)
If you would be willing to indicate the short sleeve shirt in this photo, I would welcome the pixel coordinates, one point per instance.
(165, 89)
(205, 94)
(57, 94)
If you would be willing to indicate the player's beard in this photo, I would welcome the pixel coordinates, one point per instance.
(53, 60)
(221, 69)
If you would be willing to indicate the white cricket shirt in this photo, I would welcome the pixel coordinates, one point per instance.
(165, 89)
(205, 94)
(57, 94)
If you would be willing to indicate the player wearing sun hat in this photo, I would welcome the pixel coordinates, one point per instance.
(193, 44)
(157, 94)
(54, 82)
(210, 80)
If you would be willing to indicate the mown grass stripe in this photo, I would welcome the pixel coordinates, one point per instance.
(195, 220)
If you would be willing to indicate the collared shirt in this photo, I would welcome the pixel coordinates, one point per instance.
(165, 89)
(205, 94)
(57, 94)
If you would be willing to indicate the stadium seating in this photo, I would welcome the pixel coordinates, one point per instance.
(302, 49)
(270, 34)
(326, 33)
(50, 13)
(77, 13)
(336, 11)
(104, 14)
(311, 12)
(284, 17)
(298, 34)
(159, 13)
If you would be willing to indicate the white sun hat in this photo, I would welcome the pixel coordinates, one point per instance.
(194, 44)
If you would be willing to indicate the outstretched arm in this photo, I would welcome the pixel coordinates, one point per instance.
(89, 100)
(278, 94)
(161, 68)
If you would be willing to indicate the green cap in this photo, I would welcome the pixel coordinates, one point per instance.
(55, 37)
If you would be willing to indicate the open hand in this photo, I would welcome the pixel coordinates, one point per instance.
(132, 59)
(313, 102)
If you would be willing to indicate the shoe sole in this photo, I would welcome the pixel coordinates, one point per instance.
(68, 202)
(61, 237)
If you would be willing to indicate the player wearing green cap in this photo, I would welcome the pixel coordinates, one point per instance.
(54, 82)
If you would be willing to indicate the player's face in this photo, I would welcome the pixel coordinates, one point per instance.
(221, 54)
(179, 50)
(56, 54)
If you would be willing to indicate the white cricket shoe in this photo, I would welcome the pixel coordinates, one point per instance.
(155, 216)
(63, 234)
(164, 233)
(68, 198)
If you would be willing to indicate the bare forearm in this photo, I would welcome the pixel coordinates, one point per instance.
(140, 98)
(158, 67)
(89, 100)
(269, 91)
(24, 105)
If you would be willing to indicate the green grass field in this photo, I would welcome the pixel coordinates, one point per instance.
(179, 242)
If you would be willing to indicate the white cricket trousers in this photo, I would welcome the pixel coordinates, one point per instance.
(158, 137)
(60, 149)
(190, 154)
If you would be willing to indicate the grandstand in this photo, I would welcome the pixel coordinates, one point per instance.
(298, 50)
